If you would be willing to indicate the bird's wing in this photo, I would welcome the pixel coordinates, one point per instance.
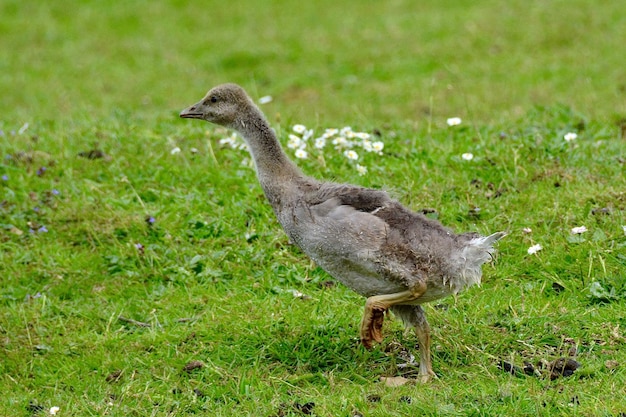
(339, 227)
(359, 198)
(351, 209)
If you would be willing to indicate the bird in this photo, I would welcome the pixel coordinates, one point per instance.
(396, 258)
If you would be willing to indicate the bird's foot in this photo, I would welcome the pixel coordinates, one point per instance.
(426, 376)
(372, 326)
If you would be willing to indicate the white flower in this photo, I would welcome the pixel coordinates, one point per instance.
(230, 141)
(367, 145)
(298, 294)
(175, 150)
(301, 154)
(340, 142)
(320, 142)
(361, 169)
(299, 128)
(534, 249)
(233, 141)
(307, 134)
(193, 150)
(527, 230)
(351, 155)
(294, 142)
(454, 121)
(570, 136)
(329, 133)
(265, 99)
(362, 135)
(345, 131)
(23, 128)
(54, 410)
(226, 141)
(579, 230)
(467, 156)
(378, 147)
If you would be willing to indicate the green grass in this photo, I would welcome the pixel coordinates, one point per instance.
(214, 276)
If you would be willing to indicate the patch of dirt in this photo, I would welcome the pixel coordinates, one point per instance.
(562, 367)
(94, 154)
(306, 408)
(114, 376)
(192, 366)
(373, 398)
(558, 368)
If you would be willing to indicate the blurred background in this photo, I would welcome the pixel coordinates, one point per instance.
(326, 61)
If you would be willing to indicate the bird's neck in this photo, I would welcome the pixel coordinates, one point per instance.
(274, 169)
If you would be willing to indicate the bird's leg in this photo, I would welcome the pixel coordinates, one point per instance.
(375, 307)
(422, 330)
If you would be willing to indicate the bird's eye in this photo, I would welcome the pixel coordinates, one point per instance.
(212, 99)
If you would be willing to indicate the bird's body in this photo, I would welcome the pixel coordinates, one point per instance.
(372, 243)
(396, 258)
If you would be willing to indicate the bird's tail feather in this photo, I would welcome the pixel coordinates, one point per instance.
(480, 250)
(470, 259)
(487, 241)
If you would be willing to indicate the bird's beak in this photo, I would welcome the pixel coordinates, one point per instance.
(193, 112)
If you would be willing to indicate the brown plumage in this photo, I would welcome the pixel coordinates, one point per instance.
(396, 258)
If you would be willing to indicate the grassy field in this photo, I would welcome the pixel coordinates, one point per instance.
(143, 273)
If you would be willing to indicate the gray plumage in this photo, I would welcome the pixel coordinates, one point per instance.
(396, 258)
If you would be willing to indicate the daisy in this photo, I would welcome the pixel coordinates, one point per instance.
(298, 294)
(345, 131)
(361, 169)
(294, 142)
(230, 141)
(340, 141)
(320, 142)
(301, 154)
(351, 155)
(329, 133)
(467, 156)
(454, 121)
(175, 150)
(534, 249)
(579, 230)
(307, 134)
(299, 128)
(570, 136)
(378, 147)
(265, 99)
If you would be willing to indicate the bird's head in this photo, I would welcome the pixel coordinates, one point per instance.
(222, 105)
